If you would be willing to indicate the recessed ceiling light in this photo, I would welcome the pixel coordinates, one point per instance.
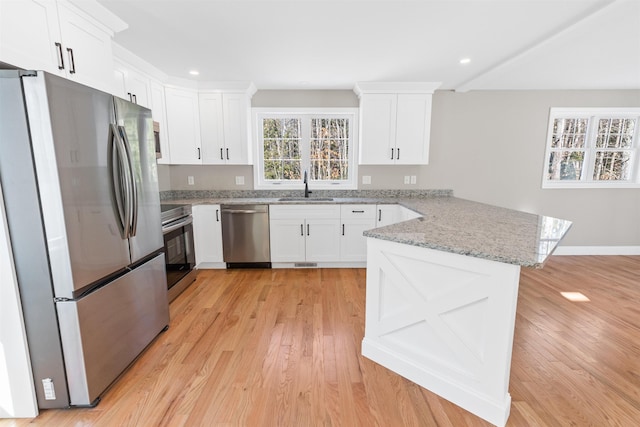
(194, 72)
(465, 60)
(575, 296)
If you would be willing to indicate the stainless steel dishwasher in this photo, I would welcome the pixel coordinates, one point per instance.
(245, 236)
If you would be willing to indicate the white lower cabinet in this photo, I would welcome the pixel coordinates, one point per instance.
(355, 220)
(387, 215)
(392, 214)
(304, 233)
(207, 236)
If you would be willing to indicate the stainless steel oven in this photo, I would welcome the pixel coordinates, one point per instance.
(177, 228)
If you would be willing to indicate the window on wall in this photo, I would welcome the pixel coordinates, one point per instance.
(319, 142)
(592, 148)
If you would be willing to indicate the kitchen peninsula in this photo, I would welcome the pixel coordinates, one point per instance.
(442, 289)
(442, 293)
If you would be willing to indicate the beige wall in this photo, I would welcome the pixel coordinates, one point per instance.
(490, 146)
(486, 146)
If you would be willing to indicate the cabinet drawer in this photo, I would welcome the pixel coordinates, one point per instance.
(304, 211)
(357, 211)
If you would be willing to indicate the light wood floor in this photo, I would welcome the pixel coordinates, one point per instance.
(282, 348)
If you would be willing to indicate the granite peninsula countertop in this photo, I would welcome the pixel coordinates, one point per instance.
(447, 224)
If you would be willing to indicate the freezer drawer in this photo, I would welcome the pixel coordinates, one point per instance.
(103, 332)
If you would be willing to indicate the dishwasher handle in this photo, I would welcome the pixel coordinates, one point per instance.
(242, 211)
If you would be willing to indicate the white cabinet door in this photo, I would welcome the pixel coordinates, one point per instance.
(183, 126)
(159, 112)
(132, 85)
(29, 31)
(395, 121)
(355, 219)
(87, 49)
(211, 130)
(412, 129)
(387, 214)
(378, 129)
(207, 234)
(304, 233)
(353, 245)
(322, 240)
(224, 128)
(287, 239)
(235, 113)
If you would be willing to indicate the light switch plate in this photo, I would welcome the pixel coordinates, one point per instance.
(239, 180)
(190, 180)
(407, 179)
(413, 179)
(366, 179)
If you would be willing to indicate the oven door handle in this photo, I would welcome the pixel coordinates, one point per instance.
(169, 229)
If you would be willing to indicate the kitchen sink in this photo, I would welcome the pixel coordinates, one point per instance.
(305, 199)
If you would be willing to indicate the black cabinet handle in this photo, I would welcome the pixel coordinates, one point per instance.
(307, 229)
(217, 215)
(198, 153)
(135, 99)
(398, 154)
(379, 214)
(60, 56)
(72, 66)
(221, 156)
(392, 154)
(130, 96)
(343, 229)
(301, 229)
(227, 154)
(357, 211)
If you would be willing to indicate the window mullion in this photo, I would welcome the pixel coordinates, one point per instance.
(590, 150)
(305, 144)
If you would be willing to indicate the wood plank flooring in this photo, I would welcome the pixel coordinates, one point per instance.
(282, 348)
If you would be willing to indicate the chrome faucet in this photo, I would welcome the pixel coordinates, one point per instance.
(306, 186)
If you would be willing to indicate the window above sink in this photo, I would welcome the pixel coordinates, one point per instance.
(321, 142)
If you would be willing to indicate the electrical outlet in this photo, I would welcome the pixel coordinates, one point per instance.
(190, 180)
(366, 179)
(239, 180)
(407, 179)
(413, 179)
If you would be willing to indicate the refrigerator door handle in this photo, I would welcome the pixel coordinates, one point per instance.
(133, 224)
(116, 175)
(125, 179)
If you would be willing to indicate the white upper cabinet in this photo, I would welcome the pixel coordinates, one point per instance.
(183, 126)
(59, 37)
(29, 30)
(224, 127)
(211, 129)
(132, 85)
(395, 122)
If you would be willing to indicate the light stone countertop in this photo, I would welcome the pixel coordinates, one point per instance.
(450, 224)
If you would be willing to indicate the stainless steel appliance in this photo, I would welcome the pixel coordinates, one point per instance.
(245, 236)
(78, 172)
(177, 228)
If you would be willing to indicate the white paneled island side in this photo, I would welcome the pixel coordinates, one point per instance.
(442, 292)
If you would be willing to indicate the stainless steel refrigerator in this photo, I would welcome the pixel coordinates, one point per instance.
(79, 176)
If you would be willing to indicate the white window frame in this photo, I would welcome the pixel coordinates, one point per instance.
(259, 114)
(593, 114)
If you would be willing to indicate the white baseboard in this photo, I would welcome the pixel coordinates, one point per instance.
(597, 250)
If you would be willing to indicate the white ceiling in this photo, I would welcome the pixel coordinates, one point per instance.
(311, 44)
